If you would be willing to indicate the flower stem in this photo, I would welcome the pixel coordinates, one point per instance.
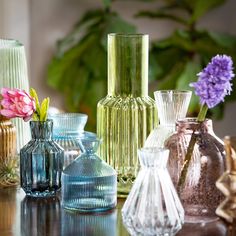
(188, 156)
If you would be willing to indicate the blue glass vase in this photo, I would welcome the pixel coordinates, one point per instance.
(41, 162)
(88, 183)
(67, 129)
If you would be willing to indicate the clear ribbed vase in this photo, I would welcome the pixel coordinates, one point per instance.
(127, 114)
(14, 74)
(171, 105)
(68, 128)
(88, 183)
(227, 183)
(153, 206)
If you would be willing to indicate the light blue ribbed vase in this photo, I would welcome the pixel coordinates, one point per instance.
(13, 74)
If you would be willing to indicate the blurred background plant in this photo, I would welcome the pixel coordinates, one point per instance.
(79, 67)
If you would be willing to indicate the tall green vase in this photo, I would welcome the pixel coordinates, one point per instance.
(126, 116)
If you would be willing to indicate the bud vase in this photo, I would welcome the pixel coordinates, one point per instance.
(227, 183)
(127, 114)
(171, 105)
(198, 193)
(88, 183)
(41, 162)
(14, 74)
(67, 129)
(153, 206)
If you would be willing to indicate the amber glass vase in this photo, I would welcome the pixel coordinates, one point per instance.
(227, 183)
(198, 193)
(126, 116)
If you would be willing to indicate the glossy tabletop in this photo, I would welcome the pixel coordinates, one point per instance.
(20, 215)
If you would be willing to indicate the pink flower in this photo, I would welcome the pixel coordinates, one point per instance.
(17, 103)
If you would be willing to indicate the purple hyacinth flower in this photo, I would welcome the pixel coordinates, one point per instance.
(214, 81)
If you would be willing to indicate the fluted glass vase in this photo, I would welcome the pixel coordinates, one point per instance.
(171, 105)
(153, 206)
(41, 162)
(227, 183)
(14, 74)
(198, 192)
(88, 183)
(68, 128)
(127, 114)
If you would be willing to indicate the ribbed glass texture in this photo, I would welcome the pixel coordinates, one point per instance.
(68, 128)
(198, 194)
(171, 105)
(7, 140)
(127, 114)
(88, 183)
(13, 74)
(227, 182)
(153, 206)
(41, 162)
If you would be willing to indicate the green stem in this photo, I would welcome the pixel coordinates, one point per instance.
(188, 156)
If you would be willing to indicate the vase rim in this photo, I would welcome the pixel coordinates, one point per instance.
(192, 120)
(128, 35)
(9, 43)
(39, 121)
(173, 91)
(65, 115)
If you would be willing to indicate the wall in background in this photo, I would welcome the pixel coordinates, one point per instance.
(39, 24)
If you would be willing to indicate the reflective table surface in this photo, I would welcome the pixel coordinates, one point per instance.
(21, 215)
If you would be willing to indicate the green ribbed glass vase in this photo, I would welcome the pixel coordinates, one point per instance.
(126, 116)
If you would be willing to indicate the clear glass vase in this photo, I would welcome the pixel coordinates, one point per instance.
(68, 128)
(14, 74)
(198, 193)
(88, 183)
(227, 183)
(171, 105)
(127, 114)
(41, 162)
(153, 206)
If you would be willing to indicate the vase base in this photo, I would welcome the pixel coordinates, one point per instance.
(38, 194)
(200, 219)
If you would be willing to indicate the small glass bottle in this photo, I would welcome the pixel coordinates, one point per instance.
(153, 206)
(88, 183)
(171, 105)
(67, 129)
(227, 183)
(41, 162)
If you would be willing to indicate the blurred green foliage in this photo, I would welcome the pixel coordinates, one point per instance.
(79, 67)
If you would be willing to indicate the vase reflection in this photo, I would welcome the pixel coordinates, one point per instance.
(98, 224)
(40, 216)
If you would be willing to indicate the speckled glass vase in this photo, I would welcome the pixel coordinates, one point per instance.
(227, 183)
(198, 194)
(127, 114)
(13, 74)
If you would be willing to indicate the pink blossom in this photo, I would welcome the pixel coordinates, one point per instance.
(17, 103)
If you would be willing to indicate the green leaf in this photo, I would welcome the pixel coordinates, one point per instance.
(44, 109)
(34, 95)
(162, 15)
(107, 3)
(200, 7)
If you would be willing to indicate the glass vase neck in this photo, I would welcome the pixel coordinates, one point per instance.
(128, 65)
(41, 129)
(153, 157)
(230, 149)
(172, 105)
(188, 125)
(89, 145)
